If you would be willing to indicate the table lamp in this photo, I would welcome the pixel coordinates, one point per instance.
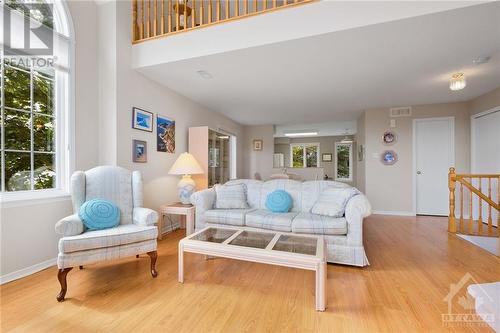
(185, 165)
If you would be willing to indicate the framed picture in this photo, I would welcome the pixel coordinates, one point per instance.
(361, 152)
(389, 138)
(142, 120)
(326, 157)
(389, 157)
(257, 144)
(139, 151)
(165, 134)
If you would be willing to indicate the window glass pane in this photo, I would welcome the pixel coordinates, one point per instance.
(43, 92)
(17, 171)
(312, 156)
(17, 88)
(42, 13)
(17, 130)
(44, 175)
(297, 156)
(43, 133)
(343, 161)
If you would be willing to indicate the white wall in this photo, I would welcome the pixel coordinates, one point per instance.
(258, 161)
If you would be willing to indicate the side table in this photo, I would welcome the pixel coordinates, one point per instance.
(186, 213)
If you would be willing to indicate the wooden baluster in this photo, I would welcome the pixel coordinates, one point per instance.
(264, 5)
(471, 219)
(451, 186)
(193, 16)
(274, 3)
(245, 5)
(148, 19)
(186, 20)
(155, 18)
(169, 18)
(227, 10)
(141, 26)
(461, 208)
(217, 11)
(237, 8)
(177, 16)
(134, 20)
(255, 6)
(209, 11)
(285, 3)
(202, 12)
(162, 20)
(490, 221)
(480, 207)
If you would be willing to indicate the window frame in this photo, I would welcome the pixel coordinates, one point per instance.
(304, 154)
(64, 115)
(350, 145)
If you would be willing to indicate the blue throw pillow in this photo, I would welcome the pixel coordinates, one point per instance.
(98, 214)
(279, 201)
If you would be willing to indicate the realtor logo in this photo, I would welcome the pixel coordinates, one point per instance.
(461, 305)
(24, 35)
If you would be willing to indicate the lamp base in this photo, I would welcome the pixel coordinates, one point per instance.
(185, 188)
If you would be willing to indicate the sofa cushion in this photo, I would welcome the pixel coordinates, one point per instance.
(122, 234)
(279, 201)
(227, 216)
(265, 219)
(308, 223)
(332, 201)
(230, 196)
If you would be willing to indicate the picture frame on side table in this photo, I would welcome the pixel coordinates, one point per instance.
(139, 151)
(142, 120)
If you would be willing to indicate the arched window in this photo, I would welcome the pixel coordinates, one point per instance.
(36, 99)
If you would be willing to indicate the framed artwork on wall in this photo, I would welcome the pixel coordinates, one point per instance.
(389, 157)
(142, 120)
(165, 134)
(327, 157)
(258, 144)
(389, 138)
(139, 151)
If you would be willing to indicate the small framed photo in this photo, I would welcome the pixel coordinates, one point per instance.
(142, 120)
(165, 134)
(257, 144)
(326, 157)
(139, 151)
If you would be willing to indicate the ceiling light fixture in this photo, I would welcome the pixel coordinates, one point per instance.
(346, 139)
(204, 74)
(457, 81)
(481, 60)
(308, 133)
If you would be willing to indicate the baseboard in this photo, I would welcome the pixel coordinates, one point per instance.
(392, 212)
(27, 271)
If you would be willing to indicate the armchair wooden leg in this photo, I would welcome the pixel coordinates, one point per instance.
(81, 267)
(153, 255)
(61, 276)
(137, 256)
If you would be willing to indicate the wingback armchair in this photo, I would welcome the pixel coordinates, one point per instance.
(136, 233)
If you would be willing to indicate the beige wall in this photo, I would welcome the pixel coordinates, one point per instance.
(361, 165)
(258, 161)
(485, 102)
(390, 188)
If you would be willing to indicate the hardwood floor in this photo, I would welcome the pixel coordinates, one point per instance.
(413, 262)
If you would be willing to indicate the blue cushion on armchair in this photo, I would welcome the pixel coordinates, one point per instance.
(98, 214)
(279, 201)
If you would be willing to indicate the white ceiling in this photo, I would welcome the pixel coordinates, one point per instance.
(334, 76)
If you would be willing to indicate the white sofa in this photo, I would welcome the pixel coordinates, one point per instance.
(343, 236)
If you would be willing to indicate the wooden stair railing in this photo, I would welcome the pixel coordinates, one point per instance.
(479, 221)
(156, 18)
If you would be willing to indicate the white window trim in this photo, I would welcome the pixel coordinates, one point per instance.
(304, 145)
(350, 162)
(65, 135)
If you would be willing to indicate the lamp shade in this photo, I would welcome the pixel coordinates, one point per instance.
(185, 164)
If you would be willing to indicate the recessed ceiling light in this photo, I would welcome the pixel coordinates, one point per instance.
(308, 133)
(457, 81)
(204, 74)
(481, 60)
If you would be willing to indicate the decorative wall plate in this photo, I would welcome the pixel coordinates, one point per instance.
(389, 157)
(389, 137)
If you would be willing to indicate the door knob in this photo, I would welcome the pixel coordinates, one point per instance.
(419, 172)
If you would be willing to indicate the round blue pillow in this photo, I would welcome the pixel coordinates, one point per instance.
(279, 201)
(98, 214)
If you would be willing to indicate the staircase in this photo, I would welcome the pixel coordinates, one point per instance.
(474, 207)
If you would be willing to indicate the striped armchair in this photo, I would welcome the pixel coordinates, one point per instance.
(136, 234)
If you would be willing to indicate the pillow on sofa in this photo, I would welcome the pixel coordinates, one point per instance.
(98, 214)
(279, 201)
(332, 201)
(230, 196)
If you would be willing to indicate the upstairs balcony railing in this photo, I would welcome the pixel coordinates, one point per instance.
(156, 18)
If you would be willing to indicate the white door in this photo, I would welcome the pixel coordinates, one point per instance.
(434, 155)
(486, 157)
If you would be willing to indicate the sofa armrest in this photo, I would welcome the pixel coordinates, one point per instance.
(358, 207)
(70, 226)
(203, 201)
(144, 216)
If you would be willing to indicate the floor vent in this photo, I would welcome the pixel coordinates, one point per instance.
(401, 111)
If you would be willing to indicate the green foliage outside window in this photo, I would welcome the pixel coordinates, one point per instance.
(343, 160)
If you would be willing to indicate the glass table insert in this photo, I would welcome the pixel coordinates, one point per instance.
(255, 239)
(214, 235)
(296, 244)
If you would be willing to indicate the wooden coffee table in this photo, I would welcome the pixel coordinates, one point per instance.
(268, 247)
